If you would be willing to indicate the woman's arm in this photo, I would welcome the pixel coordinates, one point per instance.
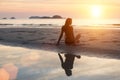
(61, 34)
(61, 60)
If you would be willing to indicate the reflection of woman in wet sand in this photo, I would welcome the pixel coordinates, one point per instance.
(69, 34)
(67, 65)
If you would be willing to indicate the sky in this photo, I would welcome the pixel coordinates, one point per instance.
(66, 8)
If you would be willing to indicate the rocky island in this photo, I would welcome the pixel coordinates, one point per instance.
(46, 17)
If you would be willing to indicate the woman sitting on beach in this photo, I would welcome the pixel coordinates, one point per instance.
(69, 34)
(67, 65)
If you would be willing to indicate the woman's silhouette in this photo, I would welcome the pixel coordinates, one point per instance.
(69, 34)
(67, 65)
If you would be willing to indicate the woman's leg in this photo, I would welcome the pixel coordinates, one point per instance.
(77, 38)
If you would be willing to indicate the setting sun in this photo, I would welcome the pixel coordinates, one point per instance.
(96, 11)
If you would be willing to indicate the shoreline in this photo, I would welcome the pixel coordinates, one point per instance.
(96, 42)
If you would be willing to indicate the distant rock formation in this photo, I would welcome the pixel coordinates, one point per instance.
(116, 24)
(34, 17)
(57, 16)
(46, 17)
(12, 18)
(4, 18)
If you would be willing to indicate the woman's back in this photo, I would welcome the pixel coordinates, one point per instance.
(69, 35)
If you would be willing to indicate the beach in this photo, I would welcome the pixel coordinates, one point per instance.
(18, 63)
(27, 54)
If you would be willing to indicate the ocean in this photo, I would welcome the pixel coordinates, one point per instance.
(57, 23)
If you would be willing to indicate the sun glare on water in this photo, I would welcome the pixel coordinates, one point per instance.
(96, 11)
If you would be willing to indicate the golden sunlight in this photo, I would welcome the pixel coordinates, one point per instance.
(96, 11)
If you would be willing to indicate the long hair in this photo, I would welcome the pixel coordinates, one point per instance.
(68, 21)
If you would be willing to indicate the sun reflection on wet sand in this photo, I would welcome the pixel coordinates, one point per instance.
(8, 72)
(4, 75)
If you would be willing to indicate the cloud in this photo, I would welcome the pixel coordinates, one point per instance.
(30, 59)
(50, 7)
(63, 2)
(67, 1)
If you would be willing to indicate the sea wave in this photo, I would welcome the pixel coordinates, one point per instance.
(98, 26)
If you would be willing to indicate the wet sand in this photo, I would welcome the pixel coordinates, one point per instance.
(17, 63)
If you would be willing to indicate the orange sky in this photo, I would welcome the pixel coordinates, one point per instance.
(66, 8)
